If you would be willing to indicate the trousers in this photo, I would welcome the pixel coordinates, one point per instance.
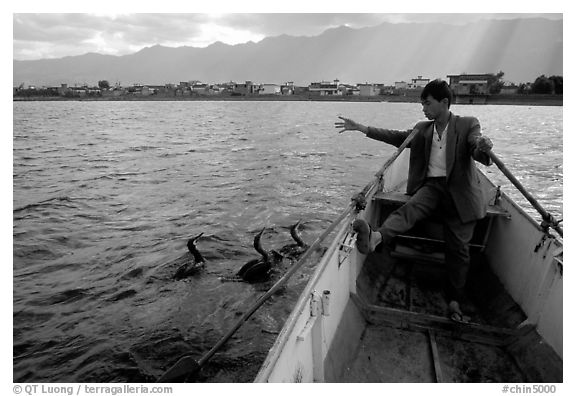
(434, 198)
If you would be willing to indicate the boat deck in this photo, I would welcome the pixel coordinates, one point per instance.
(409, 338)
(387, 354)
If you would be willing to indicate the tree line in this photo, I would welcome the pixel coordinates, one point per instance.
(542, 85)
(547, 85)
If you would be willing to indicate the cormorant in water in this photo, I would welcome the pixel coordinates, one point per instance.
(294, 250)
(195, 265)
(258, 270)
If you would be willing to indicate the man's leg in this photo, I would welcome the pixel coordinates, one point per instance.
(419, 206)
(457, 236)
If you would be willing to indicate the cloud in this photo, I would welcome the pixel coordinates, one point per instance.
(298, 24)
(57, 35)
(54, 28)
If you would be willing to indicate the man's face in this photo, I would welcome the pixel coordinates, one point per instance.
(433, 108)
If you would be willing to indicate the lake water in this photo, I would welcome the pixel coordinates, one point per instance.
(106, 195)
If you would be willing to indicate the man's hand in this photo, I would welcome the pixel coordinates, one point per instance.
(349, 125)
(484, 144)
(359, 201)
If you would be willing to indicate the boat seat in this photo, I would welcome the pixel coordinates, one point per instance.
(399, 198)
(426, 244)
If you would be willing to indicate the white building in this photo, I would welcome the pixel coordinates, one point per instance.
(325, 88)
(199, 87)
(418, 83)
(270, 89)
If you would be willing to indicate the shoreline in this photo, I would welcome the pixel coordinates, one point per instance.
(513, 100)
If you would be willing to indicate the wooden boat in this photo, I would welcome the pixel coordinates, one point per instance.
(383, 318)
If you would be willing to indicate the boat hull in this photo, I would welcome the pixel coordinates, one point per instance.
(342, 331)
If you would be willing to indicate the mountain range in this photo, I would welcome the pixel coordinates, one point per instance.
(522, 48)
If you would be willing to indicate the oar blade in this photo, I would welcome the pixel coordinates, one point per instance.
(183, 368)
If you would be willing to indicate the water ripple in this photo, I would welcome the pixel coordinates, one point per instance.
(104, 206)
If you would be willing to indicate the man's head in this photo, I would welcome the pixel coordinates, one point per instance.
(436, 98)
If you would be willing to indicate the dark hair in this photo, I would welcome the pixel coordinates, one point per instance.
(438, 89)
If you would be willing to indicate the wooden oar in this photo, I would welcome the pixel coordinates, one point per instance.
(188, 367)
(547, 217)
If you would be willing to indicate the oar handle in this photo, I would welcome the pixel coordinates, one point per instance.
(546, 216)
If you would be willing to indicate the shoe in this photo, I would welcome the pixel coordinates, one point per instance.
(364, 233)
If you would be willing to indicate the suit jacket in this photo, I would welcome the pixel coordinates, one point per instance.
(461, 150)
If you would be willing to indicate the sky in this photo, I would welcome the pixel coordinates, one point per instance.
(38, 35)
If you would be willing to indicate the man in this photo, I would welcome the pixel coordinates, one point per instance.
(442, 178)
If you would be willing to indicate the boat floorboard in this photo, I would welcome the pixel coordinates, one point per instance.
(418, 287)
(388, 354)
(409, 338)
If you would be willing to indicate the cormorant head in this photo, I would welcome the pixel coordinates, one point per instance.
(258, 245)
(192, 248)
(295, 235)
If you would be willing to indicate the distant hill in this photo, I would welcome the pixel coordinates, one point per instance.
(522, 48)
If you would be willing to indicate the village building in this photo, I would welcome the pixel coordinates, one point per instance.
(469, 84)
(199, 87)
(287, 88)
(148, 90)
(418, 83)
(62, 89)
(399, 85)
(215, 89)
(248, 88)
(270, 89)
(368, 89)
(384, 89)
(348, 89)
(509, 89)
(325, 88)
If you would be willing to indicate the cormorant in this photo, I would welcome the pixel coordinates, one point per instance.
(294, 250)
(258, 270)
(193, 266)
